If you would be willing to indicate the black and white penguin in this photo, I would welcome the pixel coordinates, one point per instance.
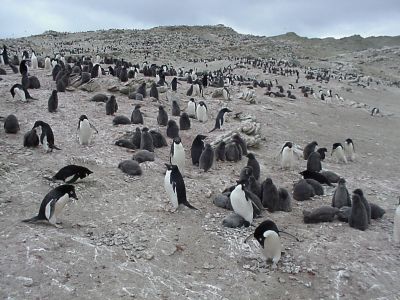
(175, 110)
(190, 90)
(197, 148)
(254, 164)
(206, 160)
(11, 124)
(71, 173)
(31, 139)
(53, 204)
(154, 91)
(146, 140)
(375, 111)
(314, 162)
(162, 117)
(338, 150)
(341, 196)
(52, 104)
(111, 106)
(23, 67)
(175, 187)
(85, 130)
(396, 224)
(220, 120)
(364, 201)
(241, 202)
(137, 116)
(220, 151)
(46, 136)
(174, 84)
(349, 150)
(267, 235)
(172, 129)
(177, 154)
(358, 217)
(287, 156)
(17, 90)
(311, 147)
(201, 112)
(191, 108)
(184, 122)
(96, 71)
(226, 94)
(47, 64)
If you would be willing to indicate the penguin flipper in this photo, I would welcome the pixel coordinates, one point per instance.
(31, 220)
(54, 147)
(186, 203)
(212, 129)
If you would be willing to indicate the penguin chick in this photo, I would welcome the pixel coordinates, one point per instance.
(321, 214)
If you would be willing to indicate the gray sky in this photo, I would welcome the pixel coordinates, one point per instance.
(310, 18)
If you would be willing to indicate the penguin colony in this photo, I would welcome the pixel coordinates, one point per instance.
(250, 197)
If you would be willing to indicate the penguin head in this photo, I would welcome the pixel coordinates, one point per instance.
(37, 124)
(145, 129)
(250, 156)
(177, 140)
(201, 137)
(137, 106)
(138, 129)
(161, 108)
(243, 182)
(335, 146)
(268, 181)
(355, 198)
(342, 181)
(314, 143)
(349, 141)
(54, 93)
(226, 110)
(70, 189)
(265, 226)
(358, 192)
(83, 117)
(322, 150)
(288, 144)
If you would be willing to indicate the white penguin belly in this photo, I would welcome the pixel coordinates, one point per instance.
(349, 150)
(45, 143)
(339, 153)
(20, 93)
(201, 114)
(179, 157)
(191, 109)
(287, 161)
(173, 197)
(85, 133)
(240, 205)
(272, 246)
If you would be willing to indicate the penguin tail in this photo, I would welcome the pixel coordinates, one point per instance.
(212, 129)
(49, 178)
(54, 147)
(31, 220)
(189, 205)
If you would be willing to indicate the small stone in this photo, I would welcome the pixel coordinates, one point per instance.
(281, 280)
(208, 266)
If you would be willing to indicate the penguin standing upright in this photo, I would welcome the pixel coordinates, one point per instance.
(31, 139)
(365, 202)
(308, 149)
(53, 204)
(52, 104)
(241, 203)
(146, 140)
(206, 158)
(85, 130)
(254, 164)
(396, 225)
(162, 117)
(358, 217)
(201, 112)
(177, 155)
(184, 122)
(111, 106)
(172, 129)
(174, 84)
(154, 91)
(225, 93)
(23, 67)
(267, 235)
(220, 120)
(197, 148)
(337, 149)
(287, 159)
(175, 187)
(176, 110)
(47, 64)
(47, 136)
(349, 150)
(34, 60)
(191, 108)
(137, 117)
(314, 162)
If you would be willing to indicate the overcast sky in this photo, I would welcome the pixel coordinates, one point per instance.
(310, 18)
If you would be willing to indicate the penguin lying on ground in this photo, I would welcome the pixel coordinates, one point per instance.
(71, 173)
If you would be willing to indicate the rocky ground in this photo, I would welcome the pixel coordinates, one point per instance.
(119, 241)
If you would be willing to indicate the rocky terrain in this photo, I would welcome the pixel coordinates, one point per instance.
(119, 241)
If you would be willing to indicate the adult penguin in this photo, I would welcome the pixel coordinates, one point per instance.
(85, 130)
(338, 151)
(191, 108)
(52, 104)
(206, 158)
(71, 173)
(162, 117)
(137, 117)
(287, 156)
(23, 67)
(220, 120)
(47, 136)
(241, 202)
(175, 187)
(111, 106)
(201, 112)
(349, 150)
(11, 124)
(174, 84)
(53, 204)
(177, 154)
(197, 148)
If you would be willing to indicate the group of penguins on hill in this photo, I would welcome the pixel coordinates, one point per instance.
(248, 198)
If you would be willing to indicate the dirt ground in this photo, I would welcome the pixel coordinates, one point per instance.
(118, 240)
